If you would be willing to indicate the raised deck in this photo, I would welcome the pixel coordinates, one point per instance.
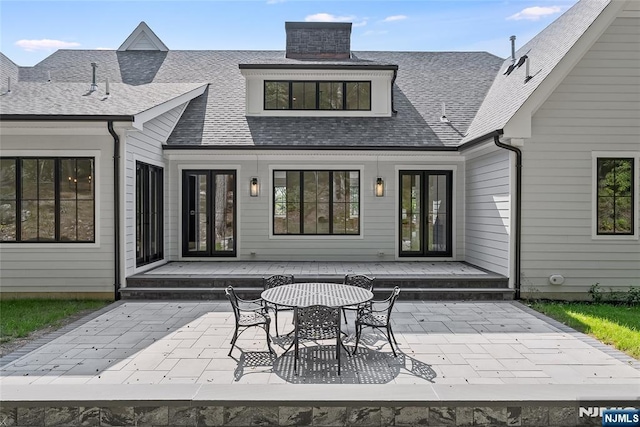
(418, 280)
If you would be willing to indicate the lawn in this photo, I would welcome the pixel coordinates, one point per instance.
(617, 325)
(19, 318)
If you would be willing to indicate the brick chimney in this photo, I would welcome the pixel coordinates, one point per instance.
(318, 40)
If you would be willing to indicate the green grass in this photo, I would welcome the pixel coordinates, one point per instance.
(617, 325)
(19, 318)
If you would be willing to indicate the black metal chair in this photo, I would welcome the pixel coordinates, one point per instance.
(317, 322)
(361, 281)
(248, 313)
(378, 315)
(271, 282)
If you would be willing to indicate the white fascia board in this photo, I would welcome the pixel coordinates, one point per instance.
(313, 74)
(519, 125)
(141, 118)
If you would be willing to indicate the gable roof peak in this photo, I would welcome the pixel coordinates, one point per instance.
(143, 38)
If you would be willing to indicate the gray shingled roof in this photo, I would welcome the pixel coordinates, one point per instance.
(509, 93)
(29, 98)
(7, 69)
(425, 80)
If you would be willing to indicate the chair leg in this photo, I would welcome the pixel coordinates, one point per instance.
(344, 314)
(275, 309)
(389, 339)
(233, 340)
(266, 329)
(358, 332)
(338, 342)
(295, 356)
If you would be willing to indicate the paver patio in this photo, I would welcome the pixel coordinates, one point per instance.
(450, 351)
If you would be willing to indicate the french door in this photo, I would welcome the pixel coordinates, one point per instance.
(425, 213)
(209, 213)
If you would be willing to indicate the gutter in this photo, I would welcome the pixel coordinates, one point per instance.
(393, 82)
(116, 209)
(518, 224)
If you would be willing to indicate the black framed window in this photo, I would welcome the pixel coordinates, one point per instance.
(149, 213)
(615, 196)
(317, 95)
(47, 199)
(426, 213)
(316, 202)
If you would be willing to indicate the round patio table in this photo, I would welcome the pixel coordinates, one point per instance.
(308, 294)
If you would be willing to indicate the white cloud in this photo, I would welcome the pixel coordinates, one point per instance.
(327, 17)
(394, 18)
(104, 48)
(360, 24)
(535, 13)
(45, 44)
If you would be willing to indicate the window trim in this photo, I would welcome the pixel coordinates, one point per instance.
(64, 154)
(148, 259)
(317, 84)
(595, 155)
(316, 168)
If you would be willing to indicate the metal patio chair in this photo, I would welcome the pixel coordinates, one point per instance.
(378, 315)
(361, 281)
(315, 323)
(248, 313)
(271, 282)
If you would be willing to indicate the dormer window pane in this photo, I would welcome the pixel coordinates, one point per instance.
(331, 95)
(304, 95)
(358, 95)
(276, 95)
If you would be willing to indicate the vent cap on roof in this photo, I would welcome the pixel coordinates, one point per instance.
(318, 40)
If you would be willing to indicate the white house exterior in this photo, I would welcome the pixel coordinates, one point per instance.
(323, 154)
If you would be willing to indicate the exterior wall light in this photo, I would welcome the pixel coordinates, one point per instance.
(253, 187)
(379, 187)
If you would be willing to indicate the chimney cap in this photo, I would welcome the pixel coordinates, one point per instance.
(317, 25)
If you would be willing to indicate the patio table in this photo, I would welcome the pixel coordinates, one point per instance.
(308, 294)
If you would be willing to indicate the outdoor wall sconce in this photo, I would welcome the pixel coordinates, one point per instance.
(379, 187)
(253, 187)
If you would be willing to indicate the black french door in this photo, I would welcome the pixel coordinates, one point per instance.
(209, 213)
(425, 213)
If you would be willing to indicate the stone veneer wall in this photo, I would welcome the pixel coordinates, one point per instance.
(564, 415)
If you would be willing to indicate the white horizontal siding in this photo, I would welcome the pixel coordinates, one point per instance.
(487, 211)
(379, 215)
(596, 108)
(144, 146)
(58, 267)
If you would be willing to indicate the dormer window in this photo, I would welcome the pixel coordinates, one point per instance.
(317, 95)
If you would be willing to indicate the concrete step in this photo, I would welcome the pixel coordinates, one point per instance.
(251, 292)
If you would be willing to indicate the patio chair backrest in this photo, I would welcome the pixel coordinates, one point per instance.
(359, 280)
(277, 280)
(233, 299)
(317, 322)
(392, 300)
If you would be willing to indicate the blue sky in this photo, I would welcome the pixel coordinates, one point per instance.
(30, 30)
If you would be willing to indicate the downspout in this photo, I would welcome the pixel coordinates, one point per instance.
(116, 209)
(393, 82)
(518, 222)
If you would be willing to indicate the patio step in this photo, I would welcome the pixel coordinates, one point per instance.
(200, 287)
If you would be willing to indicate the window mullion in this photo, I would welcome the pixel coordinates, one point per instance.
(330, 202)
(57, 165)
(301, 202)
(18, 199)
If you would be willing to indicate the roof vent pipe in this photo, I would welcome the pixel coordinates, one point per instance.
(94, 85)
(513, 49)
(8, 84)
(106, 87)
(48, 76)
